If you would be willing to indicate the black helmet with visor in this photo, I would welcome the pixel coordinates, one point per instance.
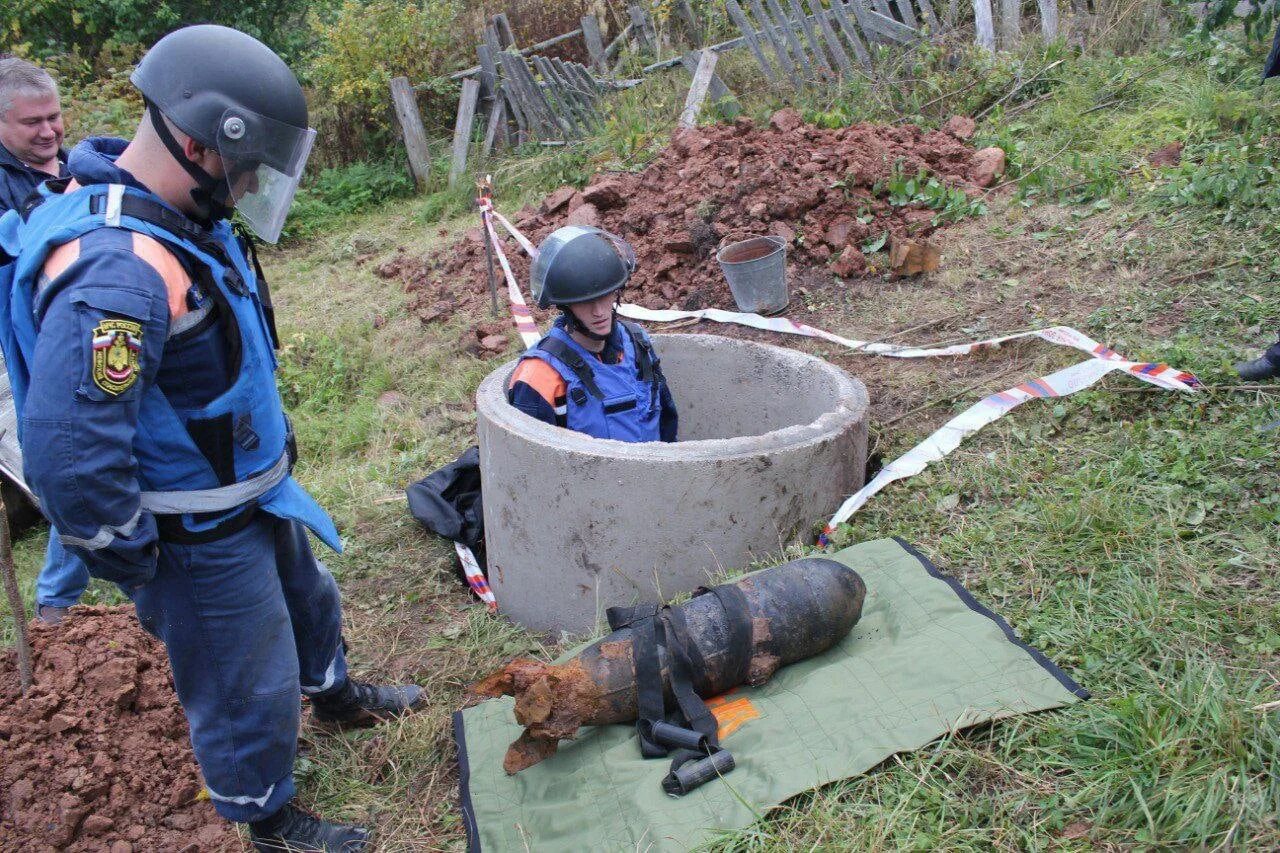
(233, 94)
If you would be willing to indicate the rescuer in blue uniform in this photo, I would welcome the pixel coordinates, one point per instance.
(139, 340)
(592, 372)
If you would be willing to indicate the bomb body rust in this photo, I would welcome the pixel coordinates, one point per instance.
(796, 610)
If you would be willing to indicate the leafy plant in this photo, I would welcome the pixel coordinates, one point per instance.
(1237, 177)
(925, 190)
(337, 193)
(361, 49)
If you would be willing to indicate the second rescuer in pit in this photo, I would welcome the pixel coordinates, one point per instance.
(592, 372)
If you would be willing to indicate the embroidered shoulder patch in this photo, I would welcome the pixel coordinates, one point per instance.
(117, 355)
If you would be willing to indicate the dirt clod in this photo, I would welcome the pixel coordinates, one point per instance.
(97, 751)
(988, 164)
(961, 127)
(1169, 155)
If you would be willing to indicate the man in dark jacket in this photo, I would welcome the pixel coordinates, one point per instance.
(30, 131)
(31, 153)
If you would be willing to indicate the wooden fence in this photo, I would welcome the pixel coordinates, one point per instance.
(521, 95)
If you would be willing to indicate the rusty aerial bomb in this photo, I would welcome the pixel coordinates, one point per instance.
(793, 611)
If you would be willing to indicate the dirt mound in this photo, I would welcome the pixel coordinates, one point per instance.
(97, 754)
(813, 187)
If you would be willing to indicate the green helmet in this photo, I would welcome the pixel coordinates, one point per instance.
(233, 94)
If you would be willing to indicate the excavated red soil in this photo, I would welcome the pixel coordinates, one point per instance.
(812, 187)
(96, 756)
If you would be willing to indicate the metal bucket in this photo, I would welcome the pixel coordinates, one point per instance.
(756, 269)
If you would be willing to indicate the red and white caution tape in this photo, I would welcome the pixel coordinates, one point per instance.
(1060, 335)
(519, 309)
(1102, 361)
(475, 576)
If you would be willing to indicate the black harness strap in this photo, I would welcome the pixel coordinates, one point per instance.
(645, 361)
(575, 362)
(650, 705)
(693, 743)
(149, 210)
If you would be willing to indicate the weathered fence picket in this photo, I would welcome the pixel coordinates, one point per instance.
(462, 128)
(1010, 25)
(815, 47)
(723, 99)
(829, 35)
(982, 21)
(698, 89)
(851, 33)
(1049, 18)
(415, 138)
(789, 38)
(775, 41)
(739, 19)
(595, 43)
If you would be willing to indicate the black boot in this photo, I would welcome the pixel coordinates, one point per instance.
(1258, 369)
(358, 705)
(292, 829)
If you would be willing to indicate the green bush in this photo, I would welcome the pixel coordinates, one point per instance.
(357, 54)
(337, 193)
(44, 28)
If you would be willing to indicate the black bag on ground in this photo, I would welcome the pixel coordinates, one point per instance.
(447, 503)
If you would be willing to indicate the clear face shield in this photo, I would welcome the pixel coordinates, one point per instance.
(264, 160)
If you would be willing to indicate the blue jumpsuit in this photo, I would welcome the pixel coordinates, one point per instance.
(154, 437)
(63, 579)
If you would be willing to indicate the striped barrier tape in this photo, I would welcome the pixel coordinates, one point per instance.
(520, 312)
(1102, 361)
(475, 576)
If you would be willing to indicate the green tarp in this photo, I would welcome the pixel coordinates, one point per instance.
(925, 659)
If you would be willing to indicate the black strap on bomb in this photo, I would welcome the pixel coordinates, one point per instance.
(692, 741)
(575, 362)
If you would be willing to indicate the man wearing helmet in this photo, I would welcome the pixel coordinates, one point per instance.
(593, 372)
(138, 334)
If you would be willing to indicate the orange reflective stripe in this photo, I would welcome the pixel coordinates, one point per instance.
(543, 378)
(176, 280)
(60, 259)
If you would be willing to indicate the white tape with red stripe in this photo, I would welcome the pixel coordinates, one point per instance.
(475, 576)
(942, 442)
(520, 312)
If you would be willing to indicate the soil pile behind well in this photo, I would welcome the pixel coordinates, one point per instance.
(812, 187)
(96, 756)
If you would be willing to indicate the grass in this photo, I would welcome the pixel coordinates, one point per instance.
(1128, 533)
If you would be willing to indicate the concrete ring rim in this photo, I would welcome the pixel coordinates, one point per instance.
(851, 405)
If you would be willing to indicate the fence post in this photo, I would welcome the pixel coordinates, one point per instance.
(642, 28)
(1049, 18)
(725, 102)
(506, 38)
(698, 88)
(982, 21)
(595, 43)
(415, 138)
(462, 128)
(688, 22)
(1010, 25)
